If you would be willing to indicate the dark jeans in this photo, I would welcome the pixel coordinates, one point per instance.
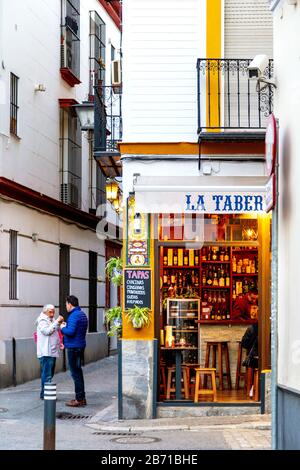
(75, 358)
(47, 371)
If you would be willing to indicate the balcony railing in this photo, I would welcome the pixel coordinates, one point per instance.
(228, 100)
(108, 121)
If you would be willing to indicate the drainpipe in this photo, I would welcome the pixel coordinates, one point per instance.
(274, 317)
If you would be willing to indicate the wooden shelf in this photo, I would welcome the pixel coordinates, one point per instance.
(216, 262)
(185, 318)
(180, 267)
(245, 274)
(216, 287)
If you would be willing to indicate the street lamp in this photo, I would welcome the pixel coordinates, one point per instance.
(85, 113)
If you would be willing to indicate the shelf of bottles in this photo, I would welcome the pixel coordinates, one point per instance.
(181, 316)
(216, 274)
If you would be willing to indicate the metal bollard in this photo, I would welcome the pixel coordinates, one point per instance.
(49, 416)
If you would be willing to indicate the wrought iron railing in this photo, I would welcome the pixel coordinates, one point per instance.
(227, 99)
(108, 120)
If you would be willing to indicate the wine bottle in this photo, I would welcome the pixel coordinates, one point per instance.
(196, 258)
(185, 259)
(209, 278)
(204, 279)
(175, 259)
(227, 279)
(165, 279)
(165, 260)
(226, 256)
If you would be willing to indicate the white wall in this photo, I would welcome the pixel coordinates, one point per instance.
(161, 43)
(38, 275)
(30, 48)
(287, 105)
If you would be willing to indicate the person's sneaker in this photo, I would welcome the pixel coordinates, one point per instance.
(76, 403)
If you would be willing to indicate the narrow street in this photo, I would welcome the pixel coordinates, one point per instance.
(97, 428)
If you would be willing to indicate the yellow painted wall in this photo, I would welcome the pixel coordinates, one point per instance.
(213, 51)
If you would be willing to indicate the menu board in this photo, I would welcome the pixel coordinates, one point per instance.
(137, 288)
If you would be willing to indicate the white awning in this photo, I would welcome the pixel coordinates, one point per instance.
(201, 194)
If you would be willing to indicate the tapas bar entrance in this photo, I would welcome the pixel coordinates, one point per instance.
(212, 289)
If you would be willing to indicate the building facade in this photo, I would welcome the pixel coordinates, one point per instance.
(286, 17)
(192, 121)
(52, 57)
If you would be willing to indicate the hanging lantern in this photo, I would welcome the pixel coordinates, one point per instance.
(112, 190)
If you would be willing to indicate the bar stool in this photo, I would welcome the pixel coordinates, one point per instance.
(239, 373)
(219, 347)
(171, 376)
(190, 367)
(206, 392)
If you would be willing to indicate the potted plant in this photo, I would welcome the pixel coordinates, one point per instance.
(114, 270)
(138, 316)
(113, 320)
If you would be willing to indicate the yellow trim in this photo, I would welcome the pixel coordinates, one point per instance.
(158, 148)
(213, 51)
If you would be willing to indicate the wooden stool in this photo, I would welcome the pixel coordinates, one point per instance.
(239, 374)
(171, 375)
(191, 384)
(205, 391)
(219, 347)
(163, 380)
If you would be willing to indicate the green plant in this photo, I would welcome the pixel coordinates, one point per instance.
(113, 320)
(139, 316)
(114, 270)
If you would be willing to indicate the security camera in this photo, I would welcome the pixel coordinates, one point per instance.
(257, 66)
(256, 70)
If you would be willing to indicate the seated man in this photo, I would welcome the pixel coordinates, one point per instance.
(242, 307)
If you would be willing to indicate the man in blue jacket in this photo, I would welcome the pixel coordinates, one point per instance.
(74, 332)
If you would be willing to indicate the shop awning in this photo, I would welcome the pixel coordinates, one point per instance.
(203, 194)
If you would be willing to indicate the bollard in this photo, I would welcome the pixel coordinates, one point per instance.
(49, 416)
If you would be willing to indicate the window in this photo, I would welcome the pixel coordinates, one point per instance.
(13, 265)
(14, 107)
(70, 41)
(113, 53)
(64, 277)
(97, 51)
(92, 291)
(71, 161)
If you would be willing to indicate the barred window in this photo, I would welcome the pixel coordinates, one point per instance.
(14, 106)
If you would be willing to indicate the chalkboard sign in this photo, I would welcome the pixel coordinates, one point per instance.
(137, 288)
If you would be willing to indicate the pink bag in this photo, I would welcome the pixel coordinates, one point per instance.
(60, 338)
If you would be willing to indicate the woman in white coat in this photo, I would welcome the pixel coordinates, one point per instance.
(48, 343)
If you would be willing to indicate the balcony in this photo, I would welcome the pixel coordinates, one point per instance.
(228, 102)
(107, 130)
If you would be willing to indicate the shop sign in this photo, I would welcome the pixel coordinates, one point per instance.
(271, 145)
(217, 202)
(137, 236)
(137, 288)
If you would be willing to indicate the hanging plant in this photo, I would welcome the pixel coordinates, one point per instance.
(114, 271)
(113, 321)
(138, 316)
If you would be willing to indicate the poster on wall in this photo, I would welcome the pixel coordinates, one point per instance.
(137, 288)
(138, 236)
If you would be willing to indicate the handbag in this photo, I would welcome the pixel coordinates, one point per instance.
(249, 360)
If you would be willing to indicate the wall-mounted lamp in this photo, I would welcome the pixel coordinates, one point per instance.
(35, 237)
(40, 87)
(85, 114)
(112, 190)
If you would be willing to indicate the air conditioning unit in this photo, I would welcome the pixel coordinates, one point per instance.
(116, 78)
